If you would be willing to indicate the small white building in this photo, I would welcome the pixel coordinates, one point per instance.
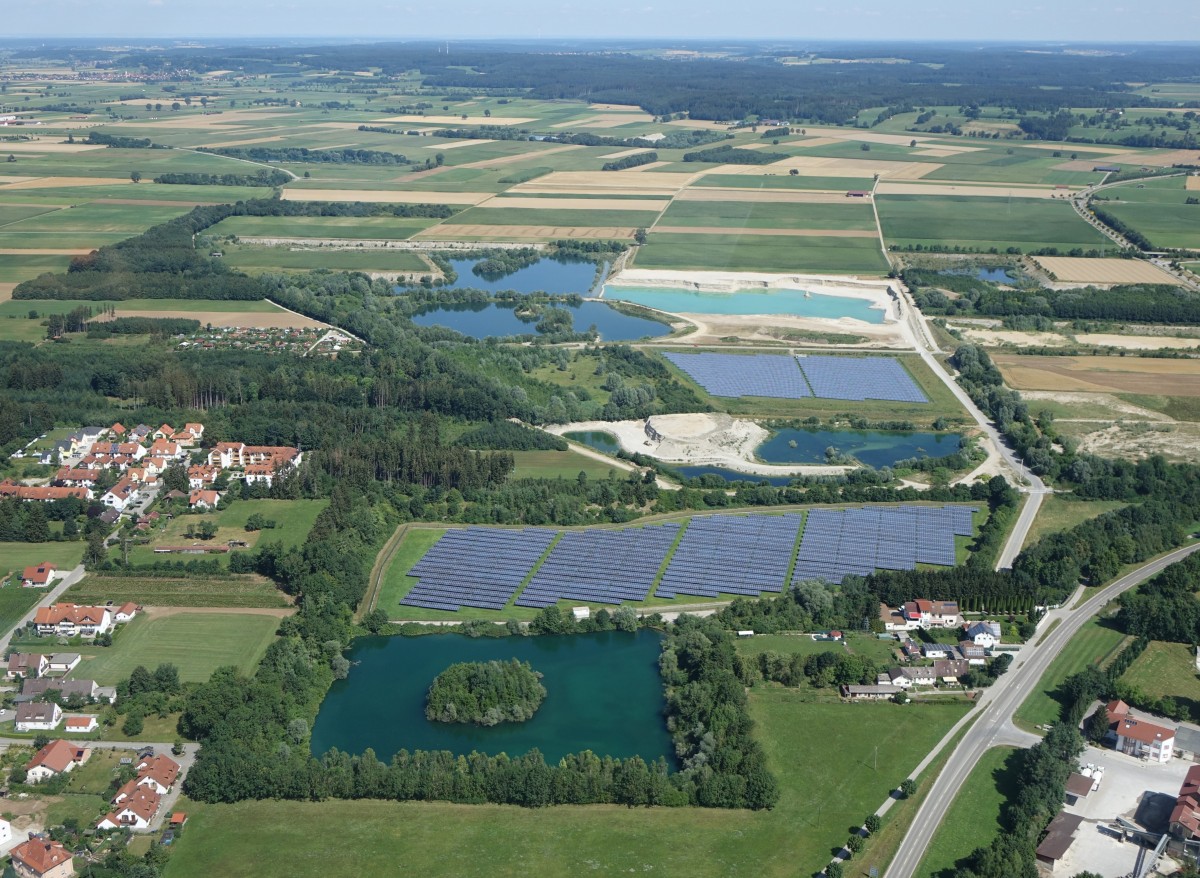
(580, 613)
(985, 634)
(5, 832)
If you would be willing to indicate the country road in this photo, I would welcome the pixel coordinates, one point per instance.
(52, 595)
(993, 717)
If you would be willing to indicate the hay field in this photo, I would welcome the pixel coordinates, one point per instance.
(969, 190)
(1101, 374)
(383, 196)
(506, 232)
(613, 182)
(275, 319)
(765, 195)
(1105, 271)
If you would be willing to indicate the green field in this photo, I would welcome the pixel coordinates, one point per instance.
(560, 464)
(1027, 223)
(14, 557)
(511, 216)
(1158, 209)
(197, 643)
(781, 181)
(853, 214)
(1096, 643)
(233, 590)
(974, 818)
(1058, 513)
(1166, 669)
(823, 794)
(253, 259)
(293, 519)
(354, 228)
(15, 602)
(812, 253)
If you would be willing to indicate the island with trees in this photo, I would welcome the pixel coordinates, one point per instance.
(485, 693)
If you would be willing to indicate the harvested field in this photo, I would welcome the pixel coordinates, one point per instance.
(652, 166)
(824, 166)
(384, 196)
(1169, 159)
(1138, 342)
(816, 141)
(56, 182)
(803, 233)
(615, 182)
(970, 189)
(1105, 271)
(249, 141)
(606, 120)
(1192, 183)
(1100, 374)
(627, 152)
(518, 157)
(48, 146)
(549, 232)
(616, 108)
(459, 121)
(459, 143)
(278, 319)
(6, 291)
(785, 196)
(577, 203)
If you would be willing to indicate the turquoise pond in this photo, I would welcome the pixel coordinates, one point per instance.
(792, 302)
(604, 694)
(877, 448)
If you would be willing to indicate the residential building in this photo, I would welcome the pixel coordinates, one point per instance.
(38, 716)
(76, 478)
(922, 676)
(39, 575)
(81, 724)
(1145, 740)
(135, 809)
(985, 634)
(63, 662)
(72, 620)
(121, 495)
(933, 614)
(27, 664)
(202, 475)
(158, 773)
(57, 757)
(950, 670)
(893, 620)
(973, 653)
(1185, 816)
(934, 650)
(204, 499)
(125, 613)
(40, 857)
(86, 689)
(5, 833)
(894, 677)
(9, 488)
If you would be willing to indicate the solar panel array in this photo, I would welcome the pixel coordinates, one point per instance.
(601, 566)
(734, 554)
(734, 375)
(476, 567)
(840, 543)
(859, 378)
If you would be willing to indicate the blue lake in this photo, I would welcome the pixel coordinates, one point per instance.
(544, 276)
(603, 693)
(877, 448)
(993, 275)
(747, 302)
(499, 319)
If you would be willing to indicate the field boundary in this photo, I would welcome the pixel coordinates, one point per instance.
(382, 561)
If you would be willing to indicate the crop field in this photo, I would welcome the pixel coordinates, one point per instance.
(369, 837)
(253, 259)
(984, 222)
(1105, 271)
(768, 215)
(1100, 374)
(746, 252)
(337, 227)
(1166, 670)
(240, 590)
(196, 643)
(1158, 209)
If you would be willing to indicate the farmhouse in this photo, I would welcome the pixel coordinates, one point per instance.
(72, 620)
(34, 716)
(1145, 740)
(40, 857)
(39, 575)
(27, 664)
(57, 757)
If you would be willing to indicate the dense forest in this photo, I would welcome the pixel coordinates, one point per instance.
(485, 693)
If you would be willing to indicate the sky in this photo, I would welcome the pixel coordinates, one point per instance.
(967, 20)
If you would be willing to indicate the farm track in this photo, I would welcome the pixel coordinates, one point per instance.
(378, 570)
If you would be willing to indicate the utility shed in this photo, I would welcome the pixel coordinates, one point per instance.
(1059, 835)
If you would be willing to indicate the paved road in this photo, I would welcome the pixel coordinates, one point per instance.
(50, 597)
(993, 725)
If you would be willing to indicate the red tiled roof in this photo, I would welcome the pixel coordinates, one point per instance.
(74, 613)
(57, 755)
(38, 573)
(161, 769)
(41, 855)
(1145, 732)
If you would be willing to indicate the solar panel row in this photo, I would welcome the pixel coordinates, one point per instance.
(476, 567)
(734, 554)
(780, 377)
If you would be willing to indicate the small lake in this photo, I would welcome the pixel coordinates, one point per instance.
(877, 448)
(544, 276)
(748, 302)
(597, 439)
(604, 694)
(500, 319)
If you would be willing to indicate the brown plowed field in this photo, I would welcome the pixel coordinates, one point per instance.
(1101, 374)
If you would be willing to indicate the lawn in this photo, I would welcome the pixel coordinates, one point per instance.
(1096, 643)
(413, 547)
(233, 590)
(560, 464)
(974, 818)
(1028, 223)
(762, 253)
(18, 556)
(1059, 513)
(1166, 669)
(822, 795)
(93, 777)
(293, 519)
(197, 643)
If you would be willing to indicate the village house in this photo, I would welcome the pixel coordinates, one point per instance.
(985, 634)
(38, 716)
(9, 488)
(933, 614)
(934, 650)
(202, 475)
(39, 575)
(57, 757)
(878, 692)
(893, 620)
(41, 857)
(90, 689)
(157, 773)
(1145, 740)
(67, 477)
(974, 654)
(63, 662)
(923, 676)
(950, 670)
(27, 664)
(894, 677)
(125, 613)
(134, 811)
(120, 495)
(81, 724)
(72, 620)
(204, 499)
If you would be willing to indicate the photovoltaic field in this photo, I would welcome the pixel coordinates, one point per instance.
(707, 556)
(782, 377)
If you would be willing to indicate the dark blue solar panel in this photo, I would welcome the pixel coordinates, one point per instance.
(734, 554)
(860, 378)
(476, 567)
(734, 375)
